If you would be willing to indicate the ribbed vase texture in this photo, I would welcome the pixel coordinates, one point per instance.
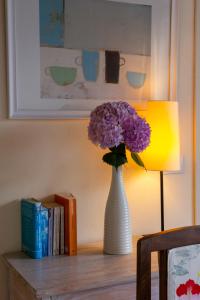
(117, 225)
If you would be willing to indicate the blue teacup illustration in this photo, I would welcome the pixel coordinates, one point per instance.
(136, 79)
(90, 64)
(61, 75)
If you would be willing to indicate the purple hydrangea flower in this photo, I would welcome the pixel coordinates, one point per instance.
(136, 134)
(113, 123)
(106, 120)
(106, 135)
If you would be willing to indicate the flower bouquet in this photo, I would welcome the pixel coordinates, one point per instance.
(117, 126)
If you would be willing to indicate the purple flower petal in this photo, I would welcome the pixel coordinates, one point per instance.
(113, 123)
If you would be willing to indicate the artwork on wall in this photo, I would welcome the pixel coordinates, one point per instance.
(68, 56)
(95, 49)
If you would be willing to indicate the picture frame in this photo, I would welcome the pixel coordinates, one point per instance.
(23, 47)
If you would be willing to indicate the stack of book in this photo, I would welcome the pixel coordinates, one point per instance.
(49, 228)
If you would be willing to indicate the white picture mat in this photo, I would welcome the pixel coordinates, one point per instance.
(50, 56)
(24, 59)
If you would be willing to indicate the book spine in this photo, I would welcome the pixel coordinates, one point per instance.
(44, 230)
(56, 231)
(72, 227)
(31, 230)
(50, 232)
(62, 240)
(37, 234)
(70, 221)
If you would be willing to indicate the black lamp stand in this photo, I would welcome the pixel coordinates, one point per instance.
(162, 201)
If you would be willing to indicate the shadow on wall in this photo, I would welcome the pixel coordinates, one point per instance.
(10, 236)
(49, 198)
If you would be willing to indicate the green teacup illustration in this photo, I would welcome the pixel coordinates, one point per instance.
(136, 79)
(61, 75)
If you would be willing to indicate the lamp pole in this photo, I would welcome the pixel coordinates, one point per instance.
(162, 201)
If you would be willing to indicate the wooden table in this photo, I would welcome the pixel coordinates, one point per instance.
(90, 275)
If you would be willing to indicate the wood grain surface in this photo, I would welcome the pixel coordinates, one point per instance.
(89, 275)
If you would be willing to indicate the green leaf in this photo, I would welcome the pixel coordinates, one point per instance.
(113, 149)
(137, 159)
(121, 149)
(114, 159)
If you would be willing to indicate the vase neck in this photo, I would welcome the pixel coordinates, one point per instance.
(117, 175)
(117, 191)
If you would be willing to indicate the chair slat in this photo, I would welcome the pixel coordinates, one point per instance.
(161, 242)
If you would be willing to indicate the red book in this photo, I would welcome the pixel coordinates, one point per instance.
(70, 234)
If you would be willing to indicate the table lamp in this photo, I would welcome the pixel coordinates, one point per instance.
(163, 153)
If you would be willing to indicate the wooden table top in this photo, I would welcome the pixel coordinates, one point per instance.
(90, 269)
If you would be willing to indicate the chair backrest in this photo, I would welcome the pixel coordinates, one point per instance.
(161, 242)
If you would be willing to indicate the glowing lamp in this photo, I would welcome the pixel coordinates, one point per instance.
(163, 154)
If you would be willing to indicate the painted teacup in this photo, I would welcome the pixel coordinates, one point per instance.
(136, 79)
(90, 64)
(62, 75)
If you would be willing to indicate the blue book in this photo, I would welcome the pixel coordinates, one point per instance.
(44, 230)
(33, 223)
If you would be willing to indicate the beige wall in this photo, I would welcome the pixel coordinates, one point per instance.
(40, 158)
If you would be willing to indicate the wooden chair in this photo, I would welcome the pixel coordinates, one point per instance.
(161, 242)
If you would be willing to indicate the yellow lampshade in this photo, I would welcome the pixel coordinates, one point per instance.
(163, 153)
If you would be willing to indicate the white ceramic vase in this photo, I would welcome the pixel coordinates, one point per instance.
(117, 225)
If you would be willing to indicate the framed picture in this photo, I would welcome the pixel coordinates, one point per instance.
(65, 57)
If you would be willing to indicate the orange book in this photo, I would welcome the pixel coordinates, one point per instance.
(70, 234)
